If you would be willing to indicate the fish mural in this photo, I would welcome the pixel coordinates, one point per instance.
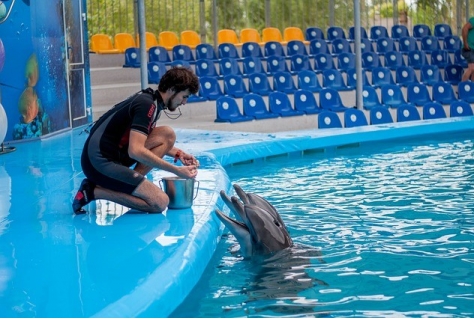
(2, 55)
(28, 105)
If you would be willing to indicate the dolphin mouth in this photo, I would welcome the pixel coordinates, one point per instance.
(228, 220)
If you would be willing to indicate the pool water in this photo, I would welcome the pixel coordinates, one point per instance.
(380, 230)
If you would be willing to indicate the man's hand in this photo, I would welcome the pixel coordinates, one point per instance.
(189, 171)
(187, 159)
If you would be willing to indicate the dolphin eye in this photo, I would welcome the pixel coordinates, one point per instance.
(276, 223)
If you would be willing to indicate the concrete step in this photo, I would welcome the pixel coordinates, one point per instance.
(112, 75)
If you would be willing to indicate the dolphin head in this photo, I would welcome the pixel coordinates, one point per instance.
(261, 229)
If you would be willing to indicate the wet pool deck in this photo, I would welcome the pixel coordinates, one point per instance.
(112, 262)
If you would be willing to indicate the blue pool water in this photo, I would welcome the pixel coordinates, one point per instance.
(380, 230)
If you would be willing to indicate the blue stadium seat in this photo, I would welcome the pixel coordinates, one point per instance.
(392, 96)
(451, 43)
(323, 61)
(234, 85)
(259, 83)
(459, 59)
(308, 80)
(363, 33)
(340, 45)
(335, 32)
(466, 91)
(407, 113)
(318, 46)
(272, 48)
(383, 45)
(312, 33)
(418, 94)
(420, 31)
(305, 101)
(251, 65)
(329, 119)
(370, 60)
(332, 78)
(381, 76)
(351, 78)
(279, 103)
(329, 99)
(429, 44)
(399, 31)
(184, 53)
(370, 99)
(416, 59)
(254, 105)
(460, 108)
(393, 60)
(377, 32)
(453, 74)
(227, 110)
(180, 63)
(442, 30)
(430, 74)
(354, 117)
(210, 87)
(158, 54)
(206, 67)
(193, 98)
(296, 47)
(405, 75)
(407, 44)
(299, 62)
(366, 45)
(132, 58)
(251, 49)
(228, 50)
(440, 58)
(283, 82)
(229, 66)
(380, 115)
(205, 51)
(433, 110)
(276, 63)
(346, 61)
(443, 93)
(155, 71)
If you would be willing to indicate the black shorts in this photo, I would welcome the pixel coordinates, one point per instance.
(468, 55)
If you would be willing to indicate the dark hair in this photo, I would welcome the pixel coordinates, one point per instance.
(179, 79)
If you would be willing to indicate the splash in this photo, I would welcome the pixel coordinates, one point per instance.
(28, 105)
(32, 72)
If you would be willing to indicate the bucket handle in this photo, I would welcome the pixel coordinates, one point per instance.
(197, 189)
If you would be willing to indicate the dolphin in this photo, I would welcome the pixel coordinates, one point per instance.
(261, 229)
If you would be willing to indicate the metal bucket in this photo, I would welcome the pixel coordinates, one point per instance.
(180, 191)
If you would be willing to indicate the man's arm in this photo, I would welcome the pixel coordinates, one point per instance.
(464, 32)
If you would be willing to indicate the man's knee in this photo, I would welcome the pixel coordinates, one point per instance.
(161, 135)
(160, 204)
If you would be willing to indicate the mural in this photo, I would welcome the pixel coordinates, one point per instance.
(33, 68)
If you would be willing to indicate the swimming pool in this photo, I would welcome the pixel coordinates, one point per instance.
(109, 264)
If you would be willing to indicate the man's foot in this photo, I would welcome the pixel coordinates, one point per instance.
(84, 196)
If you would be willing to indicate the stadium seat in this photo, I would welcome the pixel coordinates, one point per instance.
(351, 78)
(433, 110)
(312, 33)
(405, 75)
(329, 99)
(370, 60)
(279, 103)
(276, 63)
(451, 43)
(323, 61)
(407, 44)
(210, 87)
(383, 45)
(299, 63)
(150, 40)
(227, 110)
(205, 51)
(466, 91)
(363, 33)
(380, 115)
(345, 61)
(123, 41)
(296, 47)
(332, 78)
(168, 39)
(155, 71)
(234, 85)
(180, 63)
(399, 31)
(251, 49)
(416, 59)
(250, 35)
(206, 67)
(418, 94)
(443, 93)
(228, 36)
(254, 105)
(430, 74)
(184, 53)
(393, 60)
(460, 108)
(228, 50)
(381, 76)
(392, 96)
(335, 32)
(442, 30)
(272, 48)
(132, 58)
(407, 113)
(102, 44)
(453, 74)
(340, 45)
(370, 99)
(305, 101)
(328, 119)
(366, 45)
(259, 83)
(377, 32)
(158, 54)
(272, 34)
(420, 31)
(251, 65)
(229, 66)
(429, 44)
(190, 38)
(459, 59)
(440, 58)
(294, 33)
(354, 117)
(308, 80)
(283, 82)
(318, 46)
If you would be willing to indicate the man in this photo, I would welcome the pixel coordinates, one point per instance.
(126, 136)
(468, 49)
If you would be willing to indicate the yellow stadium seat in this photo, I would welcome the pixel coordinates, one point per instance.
(228, 36)
(150, 40)
(294, 33)
(102, 44)
(272, 34)
(168, 39)
(123, 41)
(190, 38)
(250, 35)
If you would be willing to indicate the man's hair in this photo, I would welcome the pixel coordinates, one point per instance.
(179, 79)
